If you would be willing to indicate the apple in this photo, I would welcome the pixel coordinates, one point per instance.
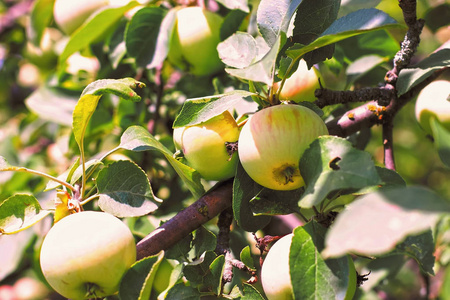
(69, 14)
(434, 102)
(275, 275)
(301, 85)
(205, 146)
(86, 254)
(272, 142)
(194, 41)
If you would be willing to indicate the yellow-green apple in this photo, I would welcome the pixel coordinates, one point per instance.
(69, 14)
(205, 146)
(434, 102)
(272, 142)
(86, 254)
(194, 41)
(301, 85)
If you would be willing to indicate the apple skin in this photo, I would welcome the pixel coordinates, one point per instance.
(275, 275)
(194, 41)
(301, 85)
(204, 149)
(87, 252)
(69, 14)
(272, 142)
(434, 101)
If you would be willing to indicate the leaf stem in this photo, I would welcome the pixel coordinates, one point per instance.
(87, 200)
(42, 174)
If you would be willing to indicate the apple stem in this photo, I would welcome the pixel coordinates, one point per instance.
(288, 174)
(231, 148)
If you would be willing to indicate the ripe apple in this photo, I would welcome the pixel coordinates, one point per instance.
(275, 275)
(434, 102)
(69, 14)
(272, 142)
(194, 41)
(86, 254)
(205, 149)
(301, 85)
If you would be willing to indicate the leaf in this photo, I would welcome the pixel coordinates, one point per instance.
(263, 69)
(246, 257)
(180, 291)
(441, 140)
(52, 105)
(136, 138)
(239, 50)
(244, 189)
(89, 165)
(138, 280)
(142, 32)
(204, 240)
(410, 77)
(20, 212)
(197, 271)
(180, 249)
(235, 5)
(362, 66)
(93, 29)
(348, 6)
(273, 17)
(332, 164)
(13, 249)
(251, 293)
(40, 17)
(373, 224)
(198, 110)
(355, 23)
(214, 280)
(271, 202)
(319, 278)
(125, 191)
(232, 22)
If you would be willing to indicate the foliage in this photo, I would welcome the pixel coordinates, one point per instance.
(86, 123)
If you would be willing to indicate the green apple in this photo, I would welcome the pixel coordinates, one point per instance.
(275, 275)
(86, 254)
(205, 146)
(69, 14)
(434, 102)
(194, 41)
(272, 142)
(301, 85)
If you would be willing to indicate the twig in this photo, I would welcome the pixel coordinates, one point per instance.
(388, 144)
(329, 97)
(223, 242)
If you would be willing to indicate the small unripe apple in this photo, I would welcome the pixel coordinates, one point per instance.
(272, 142)
(194, 41)
(301, 85)
(275, 275)
(69, 14)
(205, 146)
(86, 254)
(434, 101)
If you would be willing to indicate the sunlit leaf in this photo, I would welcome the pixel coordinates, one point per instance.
(239, 50)
(19, 212)
(40, 17)
(441, 137)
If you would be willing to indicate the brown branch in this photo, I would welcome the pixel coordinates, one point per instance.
(187, 220)
(327, 97)
(388, 144)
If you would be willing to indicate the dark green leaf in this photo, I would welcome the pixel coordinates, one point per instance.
(442, 140)
(312, 276)
(410, 77)
(390, 177)
(245, 189)
(198, 110)
(138, 280)
(251, 293)
(20, 212)
(142, 33)
(271, 202)
(438, 16)
(180, 291)
(94, 29)
(180, 249)
(214, 280)
(197, 271)
(232, 22)
(332, 164)
(125, 190)
(246, 257)
(374, 223)
(204, 240)
(136, 138)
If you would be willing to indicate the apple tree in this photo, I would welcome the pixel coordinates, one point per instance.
(224, 149)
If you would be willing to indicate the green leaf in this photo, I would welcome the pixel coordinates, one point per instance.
(374, 223)
(441, 140)
(197, 271)
(273, 17)
(271, 202)
(362, 66)
(214, 280)
(136, 138)
(246, 257)
(142, 32)
(332, 164)
(204, 240)
(355, 23)
(348, 6)
(235, 5)
(421, 248)
(180, 291)
(311, 275)
(232, 22)
(125, 191)
(20, 212)
(78, 173)
(410, 77)
(52, 104)
(251, 293)
(94, 29)
(198, 110)
(138, 280)
(239, 50)
(40, 17)
(245, 189)
(180, 249)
